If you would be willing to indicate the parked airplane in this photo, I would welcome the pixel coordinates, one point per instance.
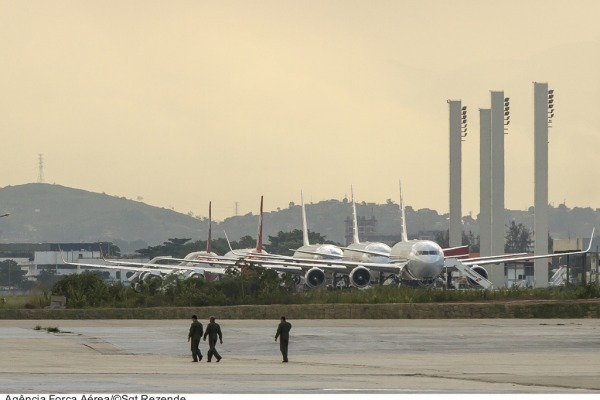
(367, 252)
(307, 251)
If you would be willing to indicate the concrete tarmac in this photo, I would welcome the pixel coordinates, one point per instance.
(326, 356)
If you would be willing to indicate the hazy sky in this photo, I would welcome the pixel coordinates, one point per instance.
(184, 102)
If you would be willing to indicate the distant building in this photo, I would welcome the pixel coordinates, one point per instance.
(36, 257)
(367, 231)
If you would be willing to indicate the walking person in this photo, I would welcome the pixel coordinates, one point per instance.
(195, 336)
(213, 330)
(283, 330)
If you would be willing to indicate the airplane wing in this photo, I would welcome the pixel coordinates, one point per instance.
(287, 269)
(140, 267)
(117, 267)
(153, 269)
(338, 266)
(477, 259)
(222, 261)
(206, 259)
(315, 253)
(501, 260)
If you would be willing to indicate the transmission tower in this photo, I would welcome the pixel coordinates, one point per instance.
(40, 168)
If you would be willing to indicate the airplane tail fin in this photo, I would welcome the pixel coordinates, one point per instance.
(208, 241)
(228, 242)
(591, 240)
(354, 219)
(304, 225)
(403, 233)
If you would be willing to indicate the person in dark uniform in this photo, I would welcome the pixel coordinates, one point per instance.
(195, 336)
(213, 330)
(283, 330)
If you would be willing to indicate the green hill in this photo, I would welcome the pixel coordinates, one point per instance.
(53, 213)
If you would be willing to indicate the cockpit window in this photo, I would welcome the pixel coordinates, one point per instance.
(427, 253)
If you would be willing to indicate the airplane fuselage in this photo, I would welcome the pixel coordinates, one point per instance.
(199, 256)
(318, 252)
(360, 252)
(424, 258)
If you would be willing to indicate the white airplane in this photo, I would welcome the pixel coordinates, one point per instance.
(364, 251)
(367, 252)
(314, 251)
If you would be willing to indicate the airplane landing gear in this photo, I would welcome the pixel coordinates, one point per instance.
(339, 282)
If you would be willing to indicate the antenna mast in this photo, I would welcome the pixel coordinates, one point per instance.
(40, 168)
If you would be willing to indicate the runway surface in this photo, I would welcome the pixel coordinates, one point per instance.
(326, 356)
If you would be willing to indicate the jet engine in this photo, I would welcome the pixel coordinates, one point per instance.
(314, 277)
(150, 274)
(143, 275)
(481, 271)
(360, 277)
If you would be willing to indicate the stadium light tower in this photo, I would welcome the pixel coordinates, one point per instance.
(543, 104)
(458, 130)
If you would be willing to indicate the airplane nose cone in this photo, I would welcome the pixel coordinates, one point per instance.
(430, 268)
